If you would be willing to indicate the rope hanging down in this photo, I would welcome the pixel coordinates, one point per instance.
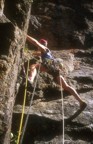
(63, 125)
(24, 128)
(23, 108)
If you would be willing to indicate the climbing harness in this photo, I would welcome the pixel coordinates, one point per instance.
(23, 108)
(63, 124)
(25, 124)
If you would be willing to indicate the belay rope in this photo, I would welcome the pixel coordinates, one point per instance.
(63, 124)
(22, 132)
(23, 108)
(25, 124)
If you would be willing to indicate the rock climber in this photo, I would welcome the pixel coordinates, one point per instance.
(49, 65)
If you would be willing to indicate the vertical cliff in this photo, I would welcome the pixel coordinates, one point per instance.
(65, 24)
(68, 27)
(14, 19)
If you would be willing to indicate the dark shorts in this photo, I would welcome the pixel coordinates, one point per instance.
(52, 67)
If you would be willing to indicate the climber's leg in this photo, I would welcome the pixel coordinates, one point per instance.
(32, 73)
(71, 90)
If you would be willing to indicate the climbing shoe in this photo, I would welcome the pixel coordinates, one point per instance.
(83, 105)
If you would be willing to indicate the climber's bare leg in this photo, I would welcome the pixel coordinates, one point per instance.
(32, 73)
(61, 80)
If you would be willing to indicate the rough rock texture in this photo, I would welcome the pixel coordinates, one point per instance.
(11, 43)
(65, 24)
(45, 123)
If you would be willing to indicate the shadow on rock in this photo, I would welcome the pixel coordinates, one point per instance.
(53, 94)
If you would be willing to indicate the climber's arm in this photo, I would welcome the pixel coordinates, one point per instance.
(36, 43)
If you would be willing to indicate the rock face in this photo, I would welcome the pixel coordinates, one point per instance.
(68, 26)
(11, 43)
(45, 123)
(65, 24)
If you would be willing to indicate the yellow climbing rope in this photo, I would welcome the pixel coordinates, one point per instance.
(26, 121)
(19, 139)
(23, 108)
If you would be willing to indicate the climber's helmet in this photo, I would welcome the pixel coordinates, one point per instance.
(43, 42)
